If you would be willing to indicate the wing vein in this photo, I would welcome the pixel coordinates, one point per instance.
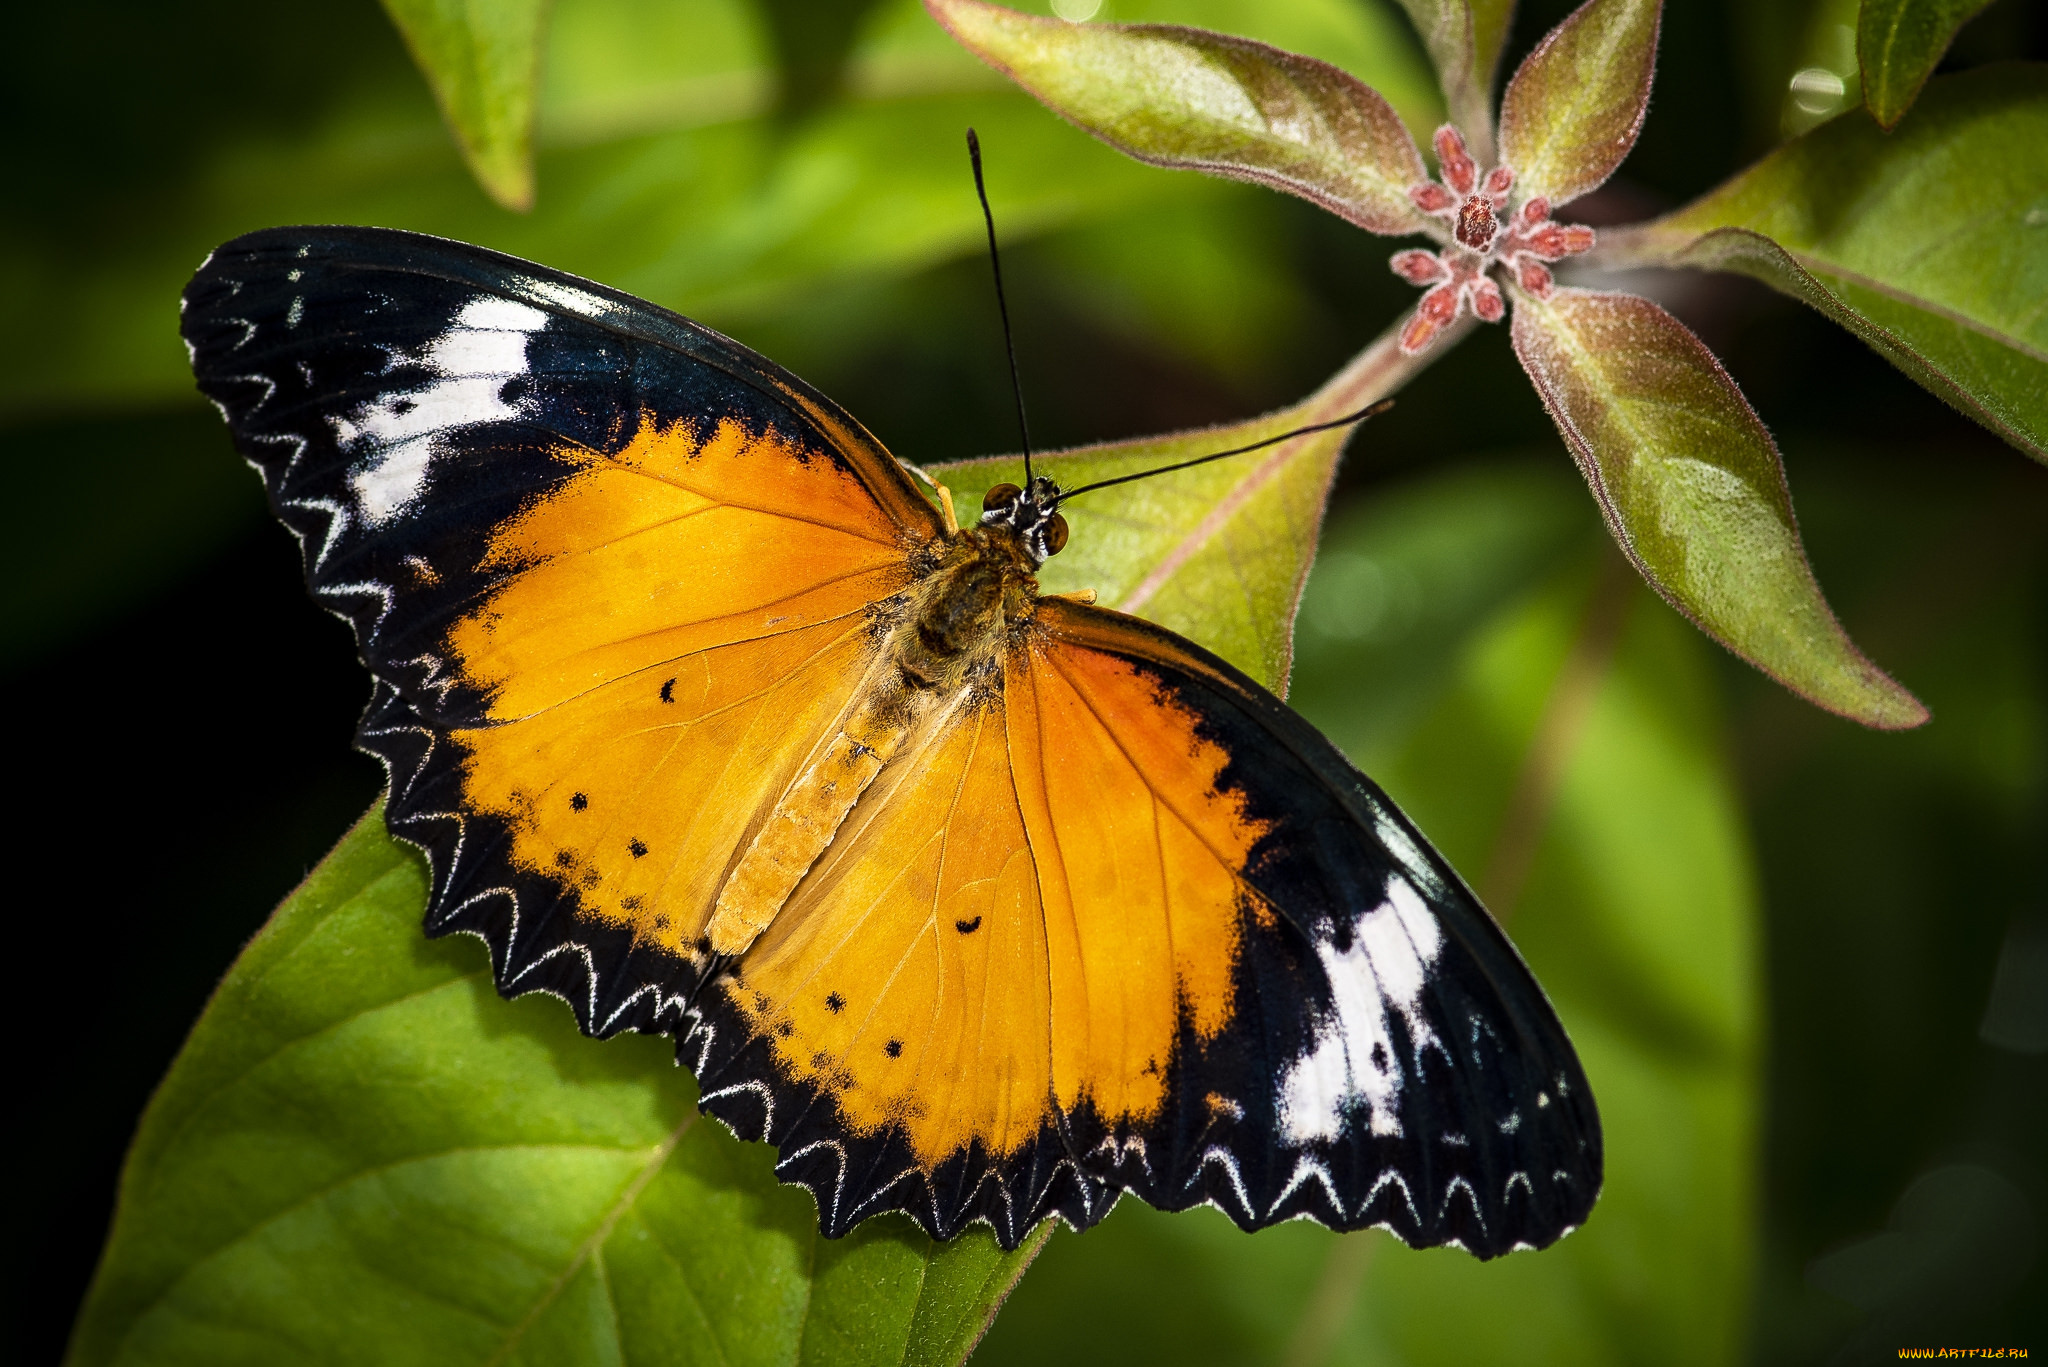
(1222, 859)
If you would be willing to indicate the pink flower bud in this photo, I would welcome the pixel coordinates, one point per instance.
(1487, 302)
(1418, 267)
(1440, 305)
(1459, 170)
(1555, 241)
(1432, 198)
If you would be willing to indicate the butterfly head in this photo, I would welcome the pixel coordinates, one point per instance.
(1032, 512)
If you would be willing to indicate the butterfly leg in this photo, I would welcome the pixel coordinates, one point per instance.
(945, 496)
(1084, 597)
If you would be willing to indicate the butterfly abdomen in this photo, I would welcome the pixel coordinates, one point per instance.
(810, 812)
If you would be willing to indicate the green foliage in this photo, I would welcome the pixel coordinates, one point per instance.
(1187, 99)
(663, 169)
(1694, 491)
(1928, 242)
(1897, 44)
(1575, 105)
(1218, 552)
(1469, 593)
(363, 1155)
(483, 62)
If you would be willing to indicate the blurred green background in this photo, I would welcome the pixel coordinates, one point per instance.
(1807, 964)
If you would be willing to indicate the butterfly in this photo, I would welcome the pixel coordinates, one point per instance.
(977, 903)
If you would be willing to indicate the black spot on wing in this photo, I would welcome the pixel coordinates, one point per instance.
(529, 919)
(855, 1175)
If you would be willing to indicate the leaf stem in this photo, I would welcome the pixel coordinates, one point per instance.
(1558, 732)
(1371, 375)
(1379, 370)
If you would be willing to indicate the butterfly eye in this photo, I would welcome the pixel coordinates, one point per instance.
(1002, 495)
(1055, 535)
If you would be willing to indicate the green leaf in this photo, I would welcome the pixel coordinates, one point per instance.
(364, 1155)
(1693, 489)
(1930, 243)
(1639, 917)
(1217, 553)
(1190, 99)
(1367, 38)
(1464, 38)
(1898, 43)
(667, 175)
(482, 58)
(1572, 111)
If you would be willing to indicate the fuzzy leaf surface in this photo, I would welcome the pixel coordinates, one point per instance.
(1694, 491)
(1217, 553)
(1464, 39)
(483, 62)
(1898, 43)
(1930, 243)
(363, 1154)
(1190, 99)
(1573, 110)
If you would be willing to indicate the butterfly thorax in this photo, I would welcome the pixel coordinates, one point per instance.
(960, 615)
(941, 645)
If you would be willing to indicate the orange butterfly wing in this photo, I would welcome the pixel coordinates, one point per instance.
(1135, 926)
(609, 569)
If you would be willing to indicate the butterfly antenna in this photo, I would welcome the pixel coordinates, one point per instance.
(995, 262)
(1371, 410)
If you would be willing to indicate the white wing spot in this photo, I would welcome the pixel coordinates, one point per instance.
(1393, 947)
(395, 437)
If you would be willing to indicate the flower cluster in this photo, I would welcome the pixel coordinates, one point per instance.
(1460, 276)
